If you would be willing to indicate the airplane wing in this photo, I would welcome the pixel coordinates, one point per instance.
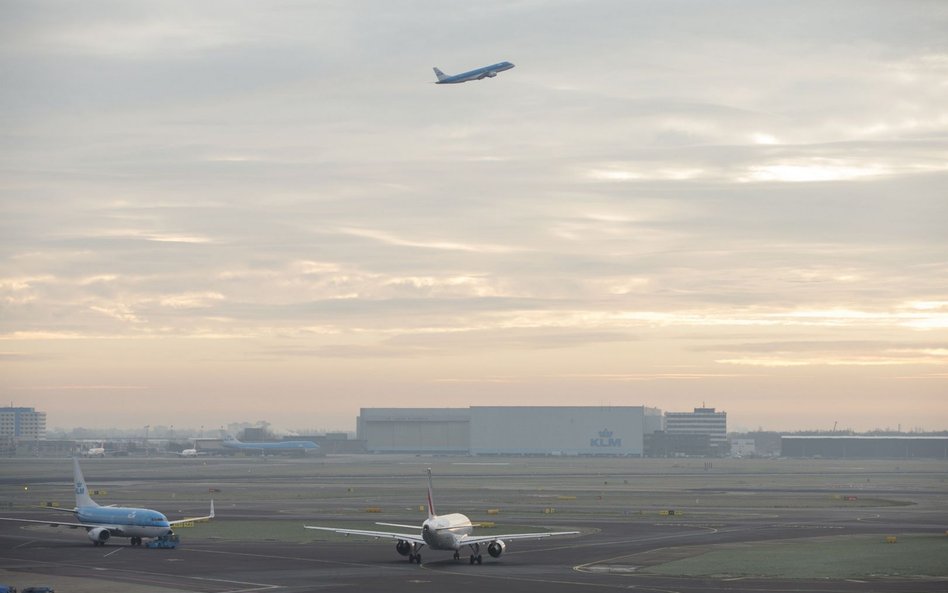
(481, 539)
(415, 539)
(113, 528)
(190, 519)
(60, 509)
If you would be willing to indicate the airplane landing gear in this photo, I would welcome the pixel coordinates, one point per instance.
(414, 558)
(457, 555)
(476, 554)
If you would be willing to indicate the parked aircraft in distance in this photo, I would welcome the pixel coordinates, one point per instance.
(102, 523)
(230, 442)
(95, 452)
(443, 532)
(477, 74)
(189, 453)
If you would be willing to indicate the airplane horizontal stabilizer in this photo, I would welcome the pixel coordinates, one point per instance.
(398, 525)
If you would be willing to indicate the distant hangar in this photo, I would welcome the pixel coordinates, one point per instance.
(864, 447)
(510, 430)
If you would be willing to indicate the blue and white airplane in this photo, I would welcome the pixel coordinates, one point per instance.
(102, 523)
(230, 442)
(485, 72)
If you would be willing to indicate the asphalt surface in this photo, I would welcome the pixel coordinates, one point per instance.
(607, 556)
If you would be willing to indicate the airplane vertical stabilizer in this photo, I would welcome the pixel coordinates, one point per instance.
(431, 507)
(82, 492)
(441, 75)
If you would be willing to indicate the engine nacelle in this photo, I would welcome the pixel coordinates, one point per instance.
(491, 75)
(496, 548)
(403, 547)
(99, 535)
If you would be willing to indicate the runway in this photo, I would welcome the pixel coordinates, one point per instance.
(609, 555)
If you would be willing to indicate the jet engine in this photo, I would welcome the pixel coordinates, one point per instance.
(491, 74)
(403, 547)
(496, 548)
(99, 535)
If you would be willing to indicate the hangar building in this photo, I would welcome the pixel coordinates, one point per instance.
(415, 430)
(510, 430)
(864, 447)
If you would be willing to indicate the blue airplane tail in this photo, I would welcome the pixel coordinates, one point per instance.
(441, 75)
(82, 492)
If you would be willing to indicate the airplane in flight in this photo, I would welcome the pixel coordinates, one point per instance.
(104, 522)
(443, 532)
(476, 74)
(229, 442)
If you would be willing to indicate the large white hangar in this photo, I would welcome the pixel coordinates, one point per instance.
(510, 430)
(415, 430)
(558, 430)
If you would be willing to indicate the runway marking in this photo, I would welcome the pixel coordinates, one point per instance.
(612, 569)
(24, 544)
(113, 552)
(579, 584)
(256, 586)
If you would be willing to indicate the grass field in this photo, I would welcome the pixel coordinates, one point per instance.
(844, 557)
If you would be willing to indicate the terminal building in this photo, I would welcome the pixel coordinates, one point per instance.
(22, 423)
(509, 430)
(702, 432)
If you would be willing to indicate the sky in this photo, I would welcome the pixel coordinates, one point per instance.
(226, 211)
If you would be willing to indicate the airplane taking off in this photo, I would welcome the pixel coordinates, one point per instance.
(477, 74)
(102, 523)
(443, 532)
(230, 442)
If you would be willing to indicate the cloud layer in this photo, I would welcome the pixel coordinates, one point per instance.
(666, 203)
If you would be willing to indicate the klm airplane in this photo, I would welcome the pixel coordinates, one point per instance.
(102, 523)
(230, 442)
(485, 72)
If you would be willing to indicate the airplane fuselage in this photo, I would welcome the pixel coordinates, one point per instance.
(280, 446)
(445, 532)
(476, 74)
(300, 446)
(125, 521)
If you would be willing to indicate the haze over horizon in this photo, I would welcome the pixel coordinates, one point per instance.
(229, 211)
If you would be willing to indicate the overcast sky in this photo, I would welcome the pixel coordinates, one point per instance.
(225, 211)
